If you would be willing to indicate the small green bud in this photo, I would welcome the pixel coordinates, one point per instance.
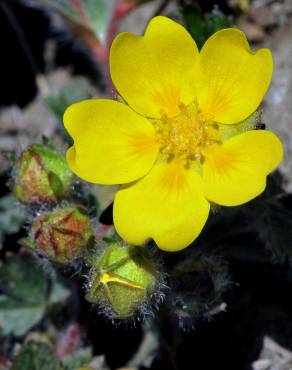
(63, 234)
(42, 175)
(122, 280)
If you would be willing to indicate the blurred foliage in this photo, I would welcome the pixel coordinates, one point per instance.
(81, 358)
(36, 356)
(26, 293)
(270, 218)
(75, 91)
(12, 216)
(202, 25)
(92, 204)
(198, 283)
(242, 5)
(91, 14)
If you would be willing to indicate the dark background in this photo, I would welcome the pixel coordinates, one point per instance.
(259, 299)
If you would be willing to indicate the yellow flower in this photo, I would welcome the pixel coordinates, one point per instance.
(167, 146)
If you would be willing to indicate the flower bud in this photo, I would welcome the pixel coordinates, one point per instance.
(63, 234)
(42, 175)
(122, 279)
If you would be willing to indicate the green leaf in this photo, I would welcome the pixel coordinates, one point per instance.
(24, 285)
(202, 25)
(25, 294)
(92, 14)
(75, 91)
(79, 359)
(195, 23)
(92, 204)
(22, 278)
(36, 356)
(12, 216)
(99, 13)
(64, 7)
(217, 20)
(58, 293)
(17, 318)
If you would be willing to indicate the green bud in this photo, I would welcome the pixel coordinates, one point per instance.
(122, 279)
(63, 234)
(42, 175)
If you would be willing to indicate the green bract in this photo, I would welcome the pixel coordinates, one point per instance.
(42, 175)
(122, 279)
(63, 234)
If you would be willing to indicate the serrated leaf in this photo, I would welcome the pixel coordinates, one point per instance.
(36, 356)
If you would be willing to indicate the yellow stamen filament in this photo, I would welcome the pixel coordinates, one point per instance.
(186, 135)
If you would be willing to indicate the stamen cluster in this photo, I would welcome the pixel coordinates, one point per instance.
(187, 134)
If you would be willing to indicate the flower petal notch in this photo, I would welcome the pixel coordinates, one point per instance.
(112, 144)
(181, 211)
(155, 73)
(185, 140)
(231, 79)
(235, 172)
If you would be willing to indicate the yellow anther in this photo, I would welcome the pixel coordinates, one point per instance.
(187, 134)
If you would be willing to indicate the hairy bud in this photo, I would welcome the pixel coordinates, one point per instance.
(122, 280)
(63, 234)
(42, 175)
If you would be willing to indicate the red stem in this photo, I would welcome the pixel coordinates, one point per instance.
(120, 10)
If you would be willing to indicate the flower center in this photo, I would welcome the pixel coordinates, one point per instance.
(186, 135)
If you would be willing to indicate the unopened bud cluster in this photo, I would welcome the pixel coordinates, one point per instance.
(123, 279)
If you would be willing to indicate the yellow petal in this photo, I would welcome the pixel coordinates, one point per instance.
(155, 73)
(232, 80)
(112, 143)
(235, 172)
(167, 205)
